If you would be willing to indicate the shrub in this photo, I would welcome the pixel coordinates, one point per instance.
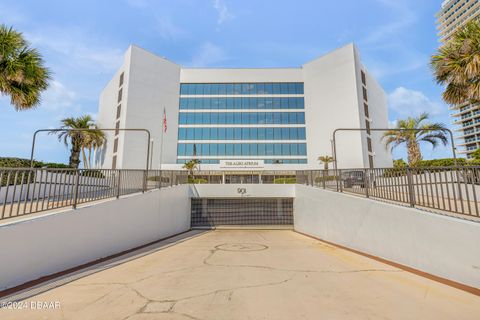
(285, 180)
(10, 162)
(92, 173)
(197, 180)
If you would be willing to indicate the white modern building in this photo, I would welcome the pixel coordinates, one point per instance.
(266, 119)
(453, 15)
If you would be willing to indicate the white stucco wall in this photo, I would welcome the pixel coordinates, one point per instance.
(52, 243)
(440, 245)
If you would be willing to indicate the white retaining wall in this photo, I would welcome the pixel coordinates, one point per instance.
(440, 245)
(39, 246)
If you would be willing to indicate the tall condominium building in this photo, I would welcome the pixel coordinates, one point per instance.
(453, 15)
(265, 118)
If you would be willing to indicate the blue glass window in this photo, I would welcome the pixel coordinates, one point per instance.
(221, 149)
(269, 151)
(292, 117)
(261, 134)
(292, 103)
(229, 149)
(284, 116)
(286, 133)
(301, 134)
(245, 88)
(268, 133)
(214, 88)
(222, 103)
(245, 149)
(245, 117)
(261, 118)
(253, 149)
(230, 104)
(206, 133)
(214, 117)
(294, 149)
(198, 133)
(183, 103)
(276, 88)
(292, 88)
(238, 133)
(213, 149)
(284, 103)
(230, 134)
(253, 118)
(261, 149)
(285, 149)
(229, 88)
(183, 88)
(302, 149)
(205, 149)
(222, 88)
(182, 118)
(207, 88)
(229, 118)
(181, 149)
(261, 103)
(191, 89)
(277, 118)
(261, 88)
(277, 133)
(189, 149)
(206, 118)
(237, 118)
(268, 88)
(237, 151)
(199, 88)
(182, 133)
(237, 88)
(213, 133)
(277, 104)
(301, 117)
(190, 134)
(253, 133)
(222, 133)
(299, 88)
(300, 103)
(245, 133)
(277, 149)
(268, 103)
(284, 87)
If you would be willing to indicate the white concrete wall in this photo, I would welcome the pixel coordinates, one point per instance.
(440, 245)
(332, 100)
(52, 243)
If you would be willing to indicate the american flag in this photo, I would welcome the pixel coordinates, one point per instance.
(164, 121)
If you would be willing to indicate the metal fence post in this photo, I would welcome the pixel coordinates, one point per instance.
(411, 191)
(118, 183)
(145, 176)
(75, 190)
(366, 182)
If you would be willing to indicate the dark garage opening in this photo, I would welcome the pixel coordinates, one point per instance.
(210, 212)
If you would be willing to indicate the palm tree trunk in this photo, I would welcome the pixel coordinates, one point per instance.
(74, 160)
(89, 157)
(84, 157)
(325, 165)
(414, 153)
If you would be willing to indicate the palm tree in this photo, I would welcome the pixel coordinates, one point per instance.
(77, 139)
(93, 139)
(22, 74)
(325, 160)
(456, 65)
(191, 166)
(432, 133)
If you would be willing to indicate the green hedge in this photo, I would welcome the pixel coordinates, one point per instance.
(8, 162)
(447, 162)
(284, 180)
(197, 180)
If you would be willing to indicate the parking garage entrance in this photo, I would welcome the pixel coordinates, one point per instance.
(214, 212)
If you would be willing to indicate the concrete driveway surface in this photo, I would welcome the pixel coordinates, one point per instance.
(245, 274)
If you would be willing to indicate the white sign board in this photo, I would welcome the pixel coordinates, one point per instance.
(242, 164)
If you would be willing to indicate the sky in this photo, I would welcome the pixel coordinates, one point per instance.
(83, 43)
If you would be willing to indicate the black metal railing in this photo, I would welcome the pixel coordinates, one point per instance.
(26, 191)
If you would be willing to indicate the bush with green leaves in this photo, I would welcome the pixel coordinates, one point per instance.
(285, 180)
(197, 180)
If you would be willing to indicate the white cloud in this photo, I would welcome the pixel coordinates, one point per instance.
(58, 97)
(209, 54)
(407, 102)
(223, 13)
(79, 49)
(167, 29)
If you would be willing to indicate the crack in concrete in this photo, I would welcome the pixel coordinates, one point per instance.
(212, 252)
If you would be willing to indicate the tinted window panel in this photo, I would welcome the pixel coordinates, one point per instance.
(183, 88)
(182, 133)
(269, 88)
(181, 149)
(229, 88)
(206, 133)
(222, 88)
(292, 88)
(261, 88)
(221, 133)
(299, 88)
(237, 151)
(182, 118)
(190, 134)
(261, 149)
(277, 149)
(301, 133)
(301, 118)
(207, 88)
(284, 88)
